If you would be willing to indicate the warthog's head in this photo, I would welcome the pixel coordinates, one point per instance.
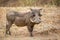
(35, 17)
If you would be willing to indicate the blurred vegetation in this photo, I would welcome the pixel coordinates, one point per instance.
(29, 2)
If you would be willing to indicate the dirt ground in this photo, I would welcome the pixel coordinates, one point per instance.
(48, 29)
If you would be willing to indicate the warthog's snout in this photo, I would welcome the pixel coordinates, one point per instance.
(36, 21)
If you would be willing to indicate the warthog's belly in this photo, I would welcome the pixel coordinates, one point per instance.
(20, 21)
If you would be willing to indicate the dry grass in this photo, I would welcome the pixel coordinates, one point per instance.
(16, 3)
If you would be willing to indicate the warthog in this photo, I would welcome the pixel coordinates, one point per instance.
(28, 19)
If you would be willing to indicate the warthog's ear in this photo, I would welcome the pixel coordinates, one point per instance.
(40, 11)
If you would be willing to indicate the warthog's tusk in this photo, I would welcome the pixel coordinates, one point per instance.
(31, 20)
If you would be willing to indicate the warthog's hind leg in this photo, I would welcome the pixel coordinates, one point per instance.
(8, 25)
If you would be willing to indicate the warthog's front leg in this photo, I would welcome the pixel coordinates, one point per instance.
(30, 29)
